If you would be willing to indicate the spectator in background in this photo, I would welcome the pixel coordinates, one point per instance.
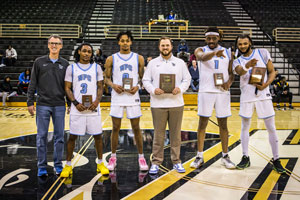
(283, 91)
(100, 58)
(192, 57)
(273, 85)
(194, 71)
(183, 51)
(11, 56)
(2, 58)
(6, 90)
(24, 80)
(171, 16)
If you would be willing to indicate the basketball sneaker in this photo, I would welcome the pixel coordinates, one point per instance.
(143, 164)
(197, 162)
(66, 172)
(112, 163)
(179, 168)
(227, 162)
(245, 162)
(153, 169)
(101, 168)
(42, 172)
(277, 166)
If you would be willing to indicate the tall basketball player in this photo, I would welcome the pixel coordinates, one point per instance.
(123, 72)
(84, 87)
(215, 80)
(256, 96)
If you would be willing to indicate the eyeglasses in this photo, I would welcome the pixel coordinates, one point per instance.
(54, 43)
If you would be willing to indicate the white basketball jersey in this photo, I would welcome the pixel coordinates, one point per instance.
(214, 65)
(125, 68)
(248, 90)
(84, 82)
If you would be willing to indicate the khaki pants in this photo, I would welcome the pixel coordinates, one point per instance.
(160, 118)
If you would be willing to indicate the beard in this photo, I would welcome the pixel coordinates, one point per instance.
(245, 52)
(215, 45)
(166, 54)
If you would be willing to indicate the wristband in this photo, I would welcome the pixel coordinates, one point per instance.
(75, 102)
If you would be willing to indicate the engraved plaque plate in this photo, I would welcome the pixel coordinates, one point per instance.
(219, 79)
(257, 75)
(87, 100)
(167, 82)
(127, 83)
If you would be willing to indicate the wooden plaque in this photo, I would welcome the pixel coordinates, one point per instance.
(87, 100)
(219, 79)
(127, 83)
(257, 75)
(167, 82)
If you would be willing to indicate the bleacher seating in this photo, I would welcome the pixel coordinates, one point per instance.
(199, 13)
(47, 12)
(270, 14)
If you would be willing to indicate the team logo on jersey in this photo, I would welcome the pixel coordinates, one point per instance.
(60, 66)
(126, 67)
(82, 77)
(173, 64)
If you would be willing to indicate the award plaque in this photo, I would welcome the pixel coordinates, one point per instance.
(167, 82)
(127, 83)
(257, 75)
(219, 79)
(87, 100)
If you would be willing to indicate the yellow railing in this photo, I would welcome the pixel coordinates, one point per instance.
(287, 34)
(174, 32)
(40, 30)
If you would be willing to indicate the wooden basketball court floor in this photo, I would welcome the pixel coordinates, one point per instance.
(18, 169)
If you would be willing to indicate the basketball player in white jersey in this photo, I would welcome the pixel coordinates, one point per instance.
(84, 77)
(213, 59)
(121, 65)
(255, 96)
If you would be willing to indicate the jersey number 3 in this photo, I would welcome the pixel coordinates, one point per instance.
(83, 88)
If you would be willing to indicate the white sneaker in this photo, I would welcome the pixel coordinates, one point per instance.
(197, 162)
(2, 65)
(227, 162)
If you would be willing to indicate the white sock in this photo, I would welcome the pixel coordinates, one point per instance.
(69, 163)
(273, 140)
(245, 135)
(200, 154)
(99, 161)
(113, 155)
(224, 154)
(141, 155)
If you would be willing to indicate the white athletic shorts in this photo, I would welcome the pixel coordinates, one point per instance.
(208, 101)
(81, 124)
(264, 109)
(132, 112)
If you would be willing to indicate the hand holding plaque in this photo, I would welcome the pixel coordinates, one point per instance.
(257, 75)
(167, 82)
(87, 101)
(127, 83)
(219, 79)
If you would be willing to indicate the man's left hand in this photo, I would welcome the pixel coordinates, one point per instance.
(176, 91)
(261, 87)
(133, 90)
(94, 105)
